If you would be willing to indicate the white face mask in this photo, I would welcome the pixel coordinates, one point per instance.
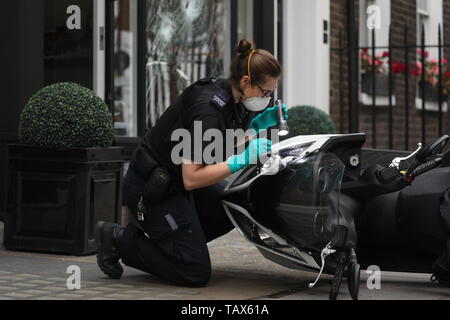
(256, 104)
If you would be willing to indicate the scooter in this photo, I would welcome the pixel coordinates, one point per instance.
(308, 207)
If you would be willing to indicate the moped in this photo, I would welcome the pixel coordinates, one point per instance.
(317, 204)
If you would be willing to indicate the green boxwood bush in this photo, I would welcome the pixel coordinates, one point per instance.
(308, 120)
(66, 115)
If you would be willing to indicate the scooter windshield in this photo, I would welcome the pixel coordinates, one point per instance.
(308, 201)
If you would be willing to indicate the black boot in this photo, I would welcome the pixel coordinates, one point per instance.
(106, 236)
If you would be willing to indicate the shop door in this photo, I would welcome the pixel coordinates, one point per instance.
(69, 53)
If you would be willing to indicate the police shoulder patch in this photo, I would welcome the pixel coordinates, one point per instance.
(221, 98)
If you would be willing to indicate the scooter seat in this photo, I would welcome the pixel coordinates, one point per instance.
(418, 211)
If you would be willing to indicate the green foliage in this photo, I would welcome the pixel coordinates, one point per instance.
(66, 115)
(308, 120)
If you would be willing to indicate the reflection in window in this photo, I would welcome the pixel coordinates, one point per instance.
(376, 13)
(365, 35)
(68, 52)
(245, 19)
(187, 41)
(125, 107)
(423, 17)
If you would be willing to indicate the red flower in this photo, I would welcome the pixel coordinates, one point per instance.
(447, 74)
(420, 52)
(398, 67)
(385, 54)
(415, 70)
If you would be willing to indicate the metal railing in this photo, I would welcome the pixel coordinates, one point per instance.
(403, 79)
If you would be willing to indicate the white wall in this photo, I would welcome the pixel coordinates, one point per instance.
(306, 58)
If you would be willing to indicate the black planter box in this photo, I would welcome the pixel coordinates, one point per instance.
(431, 93)
(55, 197)
(381, 84)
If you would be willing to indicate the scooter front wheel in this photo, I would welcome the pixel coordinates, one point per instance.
(354, 280)
(336, 283)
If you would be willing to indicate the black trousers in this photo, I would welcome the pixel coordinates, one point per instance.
(172, 241)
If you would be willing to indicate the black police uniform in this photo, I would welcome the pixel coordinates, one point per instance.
(174, 234)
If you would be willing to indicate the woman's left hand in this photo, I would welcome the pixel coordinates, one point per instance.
(267, 119)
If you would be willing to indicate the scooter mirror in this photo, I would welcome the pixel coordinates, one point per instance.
(433, 148)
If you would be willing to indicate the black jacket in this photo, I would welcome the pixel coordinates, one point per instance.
(209, 101)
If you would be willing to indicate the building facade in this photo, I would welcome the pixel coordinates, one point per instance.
(403, 125)
(139, 54)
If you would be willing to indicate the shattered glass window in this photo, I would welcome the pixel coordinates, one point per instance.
(187, 40)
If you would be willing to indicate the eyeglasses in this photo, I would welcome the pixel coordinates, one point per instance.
(266, 93)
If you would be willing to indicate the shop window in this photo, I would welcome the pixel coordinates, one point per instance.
(187, 40)
(68, 51)
(245, 19)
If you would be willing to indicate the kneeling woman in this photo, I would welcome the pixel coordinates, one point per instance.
(171, 242)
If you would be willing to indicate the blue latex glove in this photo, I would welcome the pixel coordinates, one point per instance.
(267, 119)
(250, 156)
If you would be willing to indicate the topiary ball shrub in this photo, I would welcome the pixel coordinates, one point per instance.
(308, 120)
(66, 115)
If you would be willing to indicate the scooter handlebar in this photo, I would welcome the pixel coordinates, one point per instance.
(425, 168)
(418, 169)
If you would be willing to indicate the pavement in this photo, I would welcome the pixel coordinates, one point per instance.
(240, 272)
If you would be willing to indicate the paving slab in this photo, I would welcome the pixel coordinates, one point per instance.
(239, 273)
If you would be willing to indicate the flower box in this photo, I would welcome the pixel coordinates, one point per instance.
(381, 84)
(430, 92)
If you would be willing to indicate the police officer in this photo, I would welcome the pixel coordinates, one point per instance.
(171, 242)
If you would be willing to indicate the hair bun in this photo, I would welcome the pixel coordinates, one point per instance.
(245, 47)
